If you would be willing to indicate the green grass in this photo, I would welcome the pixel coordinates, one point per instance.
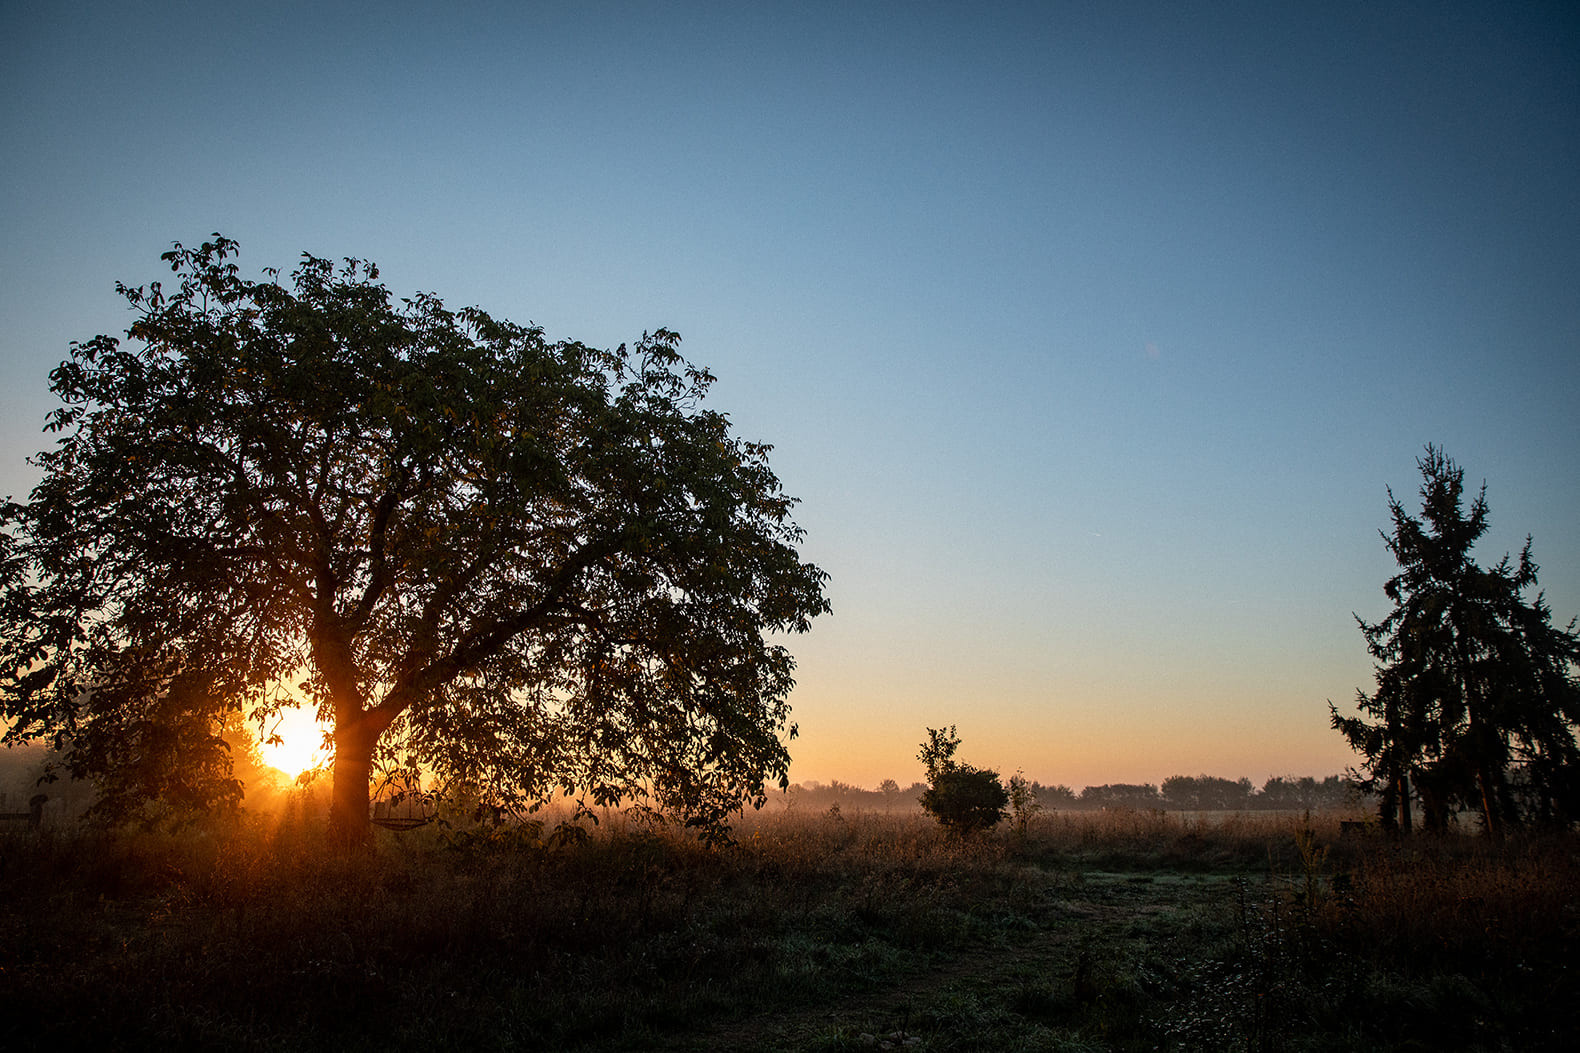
(1129, 931)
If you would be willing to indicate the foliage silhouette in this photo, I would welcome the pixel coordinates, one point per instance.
(1121, 795)
(535, 566)
(1206, 793)
(1023, 804)
(1476, 699)
(962, 798)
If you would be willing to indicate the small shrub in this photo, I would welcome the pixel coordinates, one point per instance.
(961, 797)
(966, 799)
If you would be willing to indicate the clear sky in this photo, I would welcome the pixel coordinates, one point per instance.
(1090, 335)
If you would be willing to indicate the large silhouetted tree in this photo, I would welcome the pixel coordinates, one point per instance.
(1476, 701)
(538, 566)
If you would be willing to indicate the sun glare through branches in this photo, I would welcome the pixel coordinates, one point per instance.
(300, 746)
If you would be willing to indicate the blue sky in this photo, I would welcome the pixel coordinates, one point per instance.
(1090, 335)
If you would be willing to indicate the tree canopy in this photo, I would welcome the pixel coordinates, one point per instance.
(534, 566)
(1477, 700)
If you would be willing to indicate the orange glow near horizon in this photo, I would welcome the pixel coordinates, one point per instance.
(301, 746)
(1093, 735)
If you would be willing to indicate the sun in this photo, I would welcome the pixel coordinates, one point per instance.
(301, 745)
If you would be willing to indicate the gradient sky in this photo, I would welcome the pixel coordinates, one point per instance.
(1090, 335)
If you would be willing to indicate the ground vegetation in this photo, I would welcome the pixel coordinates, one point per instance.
(1126, 930)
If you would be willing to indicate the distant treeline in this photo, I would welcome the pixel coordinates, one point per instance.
(21, 766)
(1192, 793)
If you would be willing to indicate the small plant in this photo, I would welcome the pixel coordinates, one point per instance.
(1022, 802)
(1313, 858)
(962, 798)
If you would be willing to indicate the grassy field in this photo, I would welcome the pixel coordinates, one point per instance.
(1129, 931)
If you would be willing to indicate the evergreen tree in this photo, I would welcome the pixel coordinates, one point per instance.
(1476, 699)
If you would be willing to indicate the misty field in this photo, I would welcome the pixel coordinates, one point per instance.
(1123, 931)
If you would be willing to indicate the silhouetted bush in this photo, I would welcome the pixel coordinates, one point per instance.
(966, 799)
(961, 797)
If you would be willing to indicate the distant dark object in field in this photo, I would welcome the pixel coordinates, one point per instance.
(34, 816)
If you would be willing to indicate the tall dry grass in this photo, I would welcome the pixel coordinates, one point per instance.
(257, 935)
(1460, 899)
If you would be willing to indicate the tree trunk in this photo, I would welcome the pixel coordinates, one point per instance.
(357, 730)
(1404, 805)
(348, 808)
(1491, 812)
(1434, 807)
(1388, 807)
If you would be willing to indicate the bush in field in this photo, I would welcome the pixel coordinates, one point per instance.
(1023, 802)
(966, 799)
(962, 798)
